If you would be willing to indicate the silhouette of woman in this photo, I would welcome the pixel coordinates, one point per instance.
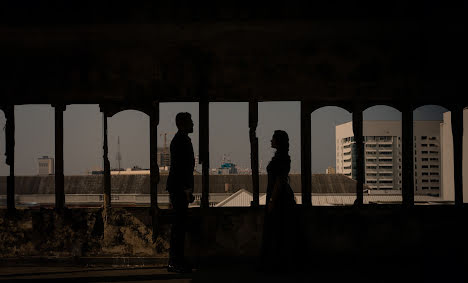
(277, 247)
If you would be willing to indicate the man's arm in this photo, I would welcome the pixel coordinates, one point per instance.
(188, 164)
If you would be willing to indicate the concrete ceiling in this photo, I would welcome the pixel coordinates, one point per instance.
(323, 60)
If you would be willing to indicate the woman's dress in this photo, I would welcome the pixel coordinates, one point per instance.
(278, 232)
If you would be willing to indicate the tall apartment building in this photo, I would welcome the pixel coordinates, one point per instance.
(383, 158)
(45, 165)
(447, 171)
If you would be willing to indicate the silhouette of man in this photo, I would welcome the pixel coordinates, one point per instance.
(180, 188)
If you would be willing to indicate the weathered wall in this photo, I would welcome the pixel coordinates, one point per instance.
(236, 232)
(79, 232)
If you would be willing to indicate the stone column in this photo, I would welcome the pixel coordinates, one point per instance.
(407, 152)
(59, 176)
(457, 132)
(358, 130)
(204, 146)
(154, 169)
(253, 122)
(306, 155)
(107, 175)
(10, 155)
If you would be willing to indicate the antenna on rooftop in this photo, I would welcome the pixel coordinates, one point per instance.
(119, 156)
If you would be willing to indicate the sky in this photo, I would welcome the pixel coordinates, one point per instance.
(229, 134)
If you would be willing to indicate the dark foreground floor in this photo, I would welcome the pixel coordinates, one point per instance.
(378, 269)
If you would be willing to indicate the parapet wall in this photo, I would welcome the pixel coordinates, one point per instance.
(128, 184)
(235, 232)
(140, 184)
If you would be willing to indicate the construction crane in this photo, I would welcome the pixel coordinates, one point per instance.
(165, 138)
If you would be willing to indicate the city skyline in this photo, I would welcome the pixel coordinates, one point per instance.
(228, 134)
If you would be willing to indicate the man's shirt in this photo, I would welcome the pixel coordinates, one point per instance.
(182, 164)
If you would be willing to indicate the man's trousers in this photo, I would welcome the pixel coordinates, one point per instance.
(180, 207)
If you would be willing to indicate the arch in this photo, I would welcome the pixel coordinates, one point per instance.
(112, 109)
(326, 120)
(129, 129)
(387, 108)
(144, 111)
(344, 105)
(445, 105)
(396, 105)
(339, 106)
(351, 106)
(369, 106)
(382, 131)
(433, 108)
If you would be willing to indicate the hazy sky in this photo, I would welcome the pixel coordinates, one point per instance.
(229, 134)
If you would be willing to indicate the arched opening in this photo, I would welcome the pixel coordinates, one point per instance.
(433, 154)
(284, 115)
(332, 183)
(382, 155)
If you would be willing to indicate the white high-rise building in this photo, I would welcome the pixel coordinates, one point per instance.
(383, 157)
(447, 171)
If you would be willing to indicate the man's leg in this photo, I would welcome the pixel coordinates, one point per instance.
(176, 253)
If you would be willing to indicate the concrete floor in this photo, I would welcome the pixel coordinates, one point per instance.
(138, 274)
(92, 274)
(326, 269)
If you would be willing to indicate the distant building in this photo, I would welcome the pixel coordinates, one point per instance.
(227, 168)
(382, 155)
(330, 170)
(135, 170)
(447, 171)
(129, 171)
(127, 190)
(164, 157)
(244, 171)
(327, 189)
(45, 165)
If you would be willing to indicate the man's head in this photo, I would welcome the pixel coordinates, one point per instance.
(184, 122)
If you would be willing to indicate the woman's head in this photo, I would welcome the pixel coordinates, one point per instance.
(280, 141)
